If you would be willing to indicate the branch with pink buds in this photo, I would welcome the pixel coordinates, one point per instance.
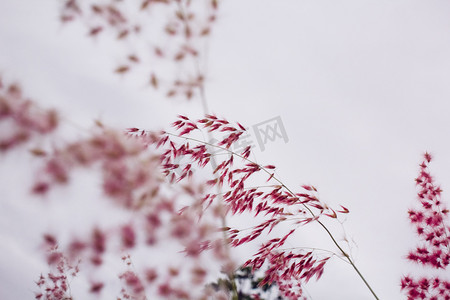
(279, 205)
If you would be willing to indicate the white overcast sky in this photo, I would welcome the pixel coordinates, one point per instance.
(361, 86)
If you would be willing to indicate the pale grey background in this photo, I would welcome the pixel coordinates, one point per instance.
(361, 86)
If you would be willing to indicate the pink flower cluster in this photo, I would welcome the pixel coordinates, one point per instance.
(126, 168)
(55, 285)
(21, 119)
(133, 177)
(290, 270)
(188, 25)
(430, 220)
(426, 288)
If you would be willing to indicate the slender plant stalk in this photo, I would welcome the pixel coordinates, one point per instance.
(347, 257)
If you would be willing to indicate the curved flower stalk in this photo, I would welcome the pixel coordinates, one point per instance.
(234, 173)
(133, 176)
(431, 222)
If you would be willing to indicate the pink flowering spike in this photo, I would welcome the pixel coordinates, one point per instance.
(178, 124)
(432, 227)
(162, 141)
(27, 119)
(96, 287)
(191, 124)
(40, 188)
(429, 221)
(133, 282)
(241, 127)
(121, 69)
(98, 241)
(50, 241)
(270, 177)
(128, 236)
(428, 157)
(95, 31)
(332, 215)
(246, 152)
(344, 210)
